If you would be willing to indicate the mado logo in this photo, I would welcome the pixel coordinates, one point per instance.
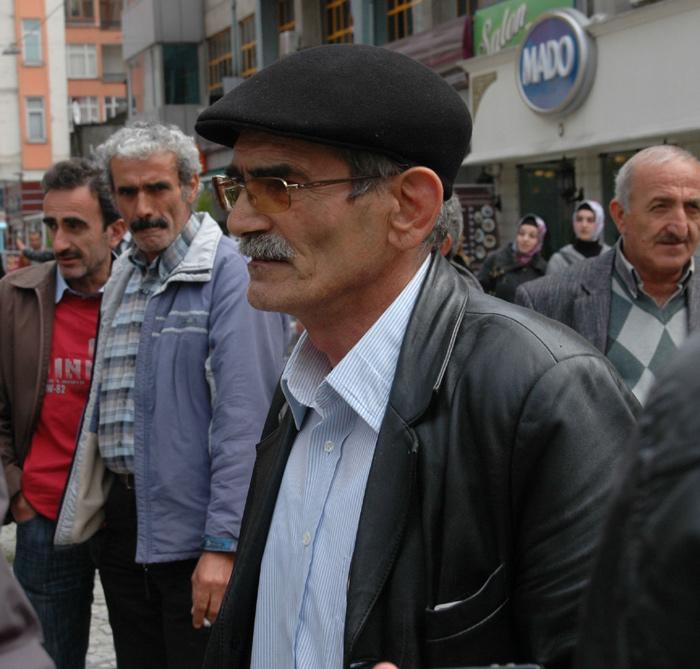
(556, 62)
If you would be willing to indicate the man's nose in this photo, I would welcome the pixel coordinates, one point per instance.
(244, 218)
(679, 221)
(143, 207)
(61, 241)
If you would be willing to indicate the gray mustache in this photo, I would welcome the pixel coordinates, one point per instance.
(265, 246)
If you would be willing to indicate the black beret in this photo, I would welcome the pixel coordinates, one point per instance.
(353, 96)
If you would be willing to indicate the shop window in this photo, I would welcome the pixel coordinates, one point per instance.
(31, 41)
(399, 18)
(220, 63)
(36, 124)
(285, 15)
(82, 61)
(337, 22)
(181, 74)
(246, 31)
(114, 105)
(80, 11)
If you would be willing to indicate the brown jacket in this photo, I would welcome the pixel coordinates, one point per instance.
(26, 323)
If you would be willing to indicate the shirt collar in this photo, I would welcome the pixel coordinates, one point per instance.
(168, 260)
(633, 282)
(62, 287)
(363, 378)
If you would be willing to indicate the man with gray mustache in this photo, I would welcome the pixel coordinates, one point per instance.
(638, 301)
(185, 369)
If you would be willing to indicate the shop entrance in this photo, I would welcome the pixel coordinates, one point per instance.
(539, 185)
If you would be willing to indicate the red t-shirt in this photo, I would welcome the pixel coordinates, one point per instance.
(70, 367)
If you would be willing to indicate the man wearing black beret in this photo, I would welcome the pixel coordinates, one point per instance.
(435, 465)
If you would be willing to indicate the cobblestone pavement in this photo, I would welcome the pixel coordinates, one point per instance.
(101, 651)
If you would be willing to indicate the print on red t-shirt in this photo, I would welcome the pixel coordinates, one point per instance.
(70, 368)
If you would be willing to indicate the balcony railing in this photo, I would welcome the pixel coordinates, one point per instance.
(112, 77)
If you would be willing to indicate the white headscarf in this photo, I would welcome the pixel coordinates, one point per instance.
(597, 210)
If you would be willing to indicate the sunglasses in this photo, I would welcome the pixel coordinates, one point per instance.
(268, 195)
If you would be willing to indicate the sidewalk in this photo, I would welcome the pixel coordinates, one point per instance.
(101, 652)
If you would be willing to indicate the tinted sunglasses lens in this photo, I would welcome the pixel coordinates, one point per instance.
(226, 192)
(268, 194)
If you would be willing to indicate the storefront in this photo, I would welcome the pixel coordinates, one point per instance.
(557, 113)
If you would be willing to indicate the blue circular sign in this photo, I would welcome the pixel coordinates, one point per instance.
(556, 63)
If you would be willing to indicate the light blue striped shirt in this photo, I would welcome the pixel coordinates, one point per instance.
(300, 611)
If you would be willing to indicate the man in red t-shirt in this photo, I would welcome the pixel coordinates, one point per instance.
(48, 323)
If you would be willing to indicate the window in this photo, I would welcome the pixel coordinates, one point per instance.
(220, 63)
(114, 106)
(110, 13)
(82, 61)
(466, 7)
(85, 110)
(399, 18)
(36, 128)
(249, 62)
(337, 21)
(80, 11)
(181, 73)
(31, 41)
(285, 15)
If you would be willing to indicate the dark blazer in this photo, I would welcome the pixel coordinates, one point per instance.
(580, 297)
(501, 273)
(643, 608)
(486, 491)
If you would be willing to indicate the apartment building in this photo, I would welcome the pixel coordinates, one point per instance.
(95, 71)
(62, 71)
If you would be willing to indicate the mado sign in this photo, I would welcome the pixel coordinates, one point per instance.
(556, 63)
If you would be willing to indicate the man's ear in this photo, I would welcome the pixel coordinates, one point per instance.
(193, 189)
(618, 215)
(418, 192)
(115, 233)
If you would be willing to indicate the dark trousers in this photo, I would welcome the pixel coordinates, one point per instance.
(58, 581)
(149, 605)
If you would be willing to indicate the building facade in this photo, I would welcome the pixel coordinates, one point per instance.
(62, 70)
(642, 59)
(185, 54)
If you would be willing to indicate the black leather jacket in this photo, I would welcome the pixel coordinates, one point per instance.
(486, 492)
(643, 609)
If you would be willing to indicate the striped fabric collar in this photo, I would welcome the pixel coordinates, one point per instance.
(168, 260)
(363, 378)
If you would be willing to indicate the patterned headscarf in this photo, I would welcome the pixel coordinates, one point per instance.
(530, 219)
(597, 210)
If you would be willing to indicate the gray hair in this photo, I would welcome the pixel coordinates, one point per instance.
(366, 163)
(654, 155)
(143, 139)
(362, 163)
(450, 221)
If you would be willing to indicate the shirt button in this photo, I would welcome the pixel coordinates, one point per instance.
(328, 446)
(306, 539)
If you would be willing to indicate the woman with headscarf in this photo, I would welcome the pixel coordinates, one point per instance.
(588, 222)
(517, 262)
